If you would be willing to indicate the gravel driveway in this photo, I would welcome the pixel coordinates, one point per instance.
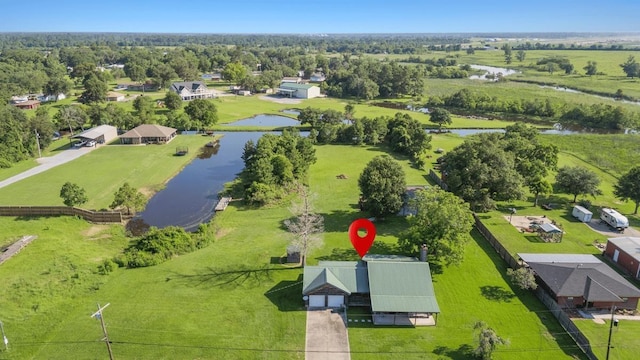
(602, 228)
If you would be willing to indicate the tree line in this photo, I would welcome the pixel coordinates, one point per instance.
(595, 116)
(401, 133)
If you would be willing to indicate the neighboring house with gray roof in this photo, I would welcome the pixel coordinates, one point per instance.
(189, 90)
(398, 289)
(148, 134)
(577, 280)
(625, 251)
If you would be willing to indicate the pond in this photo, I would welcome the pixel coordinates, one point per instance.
(574, 91)
(491, 70)
(189, 198)
(266, 120)
(557, 130)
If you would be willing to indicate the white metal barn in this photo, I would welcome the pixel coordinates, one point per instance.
(300, 91)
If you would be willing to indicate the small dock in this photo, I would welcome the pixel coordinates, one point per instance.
(222, 204)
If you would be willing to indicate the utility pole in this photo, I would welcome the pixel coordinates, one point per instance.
(98, 315)
(4, 337)
(613, 308)
(38, 142)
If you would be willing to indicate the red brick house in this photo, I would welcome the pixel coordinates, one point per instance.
(625, 251)
(27, 105)
(581, 281)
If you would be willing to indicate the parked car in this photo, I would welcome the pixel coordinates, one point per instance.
(79, 144)
(90, 143)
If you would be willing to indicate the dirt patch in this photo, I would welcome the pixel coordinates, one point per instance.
(280, 100)
(523, 223)
(147, 192)
(95, 230)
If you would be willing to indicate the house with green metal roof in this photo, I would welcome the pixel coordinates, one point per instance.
(398, 289)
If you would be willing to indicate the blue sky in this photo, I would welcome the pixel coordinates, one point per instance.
(325, 16)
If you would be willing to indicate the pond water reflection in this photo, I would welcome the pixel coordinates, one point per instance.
(266, 120)
(189, 198)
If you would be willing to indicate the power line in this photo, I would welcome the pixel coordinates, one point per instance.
(98, 315)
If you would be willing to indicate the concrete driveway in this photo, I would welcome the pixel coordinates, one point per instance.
(602, 228)
(327, 336)
(47, 163)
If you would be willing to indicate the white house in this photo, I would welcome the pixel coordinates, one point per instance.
(115, 96)
(300, 91)
(317, 77)
(190, 90)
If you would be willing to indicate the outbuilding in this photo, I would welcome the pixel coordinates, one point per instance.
(102, 134)
(625, 251)
(582, 214)
(300, 91)
(115, 96)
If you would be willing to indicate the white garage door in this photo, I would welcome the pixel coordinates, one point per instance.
(336, 301)
(316, 301)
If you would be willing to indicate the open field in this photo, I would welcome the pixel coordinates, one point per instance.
(103, 171)
(232, 299)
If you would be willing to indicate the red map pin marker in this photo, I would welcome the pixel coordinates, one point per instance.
(362, 244)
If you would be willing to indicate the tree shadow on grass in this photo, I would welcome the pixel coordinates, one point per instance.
(496, 293)
(228, 278)
(287, 295)
(463, 352)
(379, 247)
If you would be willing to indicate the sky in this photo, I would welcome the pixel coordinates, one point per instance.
(325, 16)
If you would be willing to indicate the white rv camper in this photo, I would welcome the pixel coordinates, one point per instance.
(582, 214)
(614, 219)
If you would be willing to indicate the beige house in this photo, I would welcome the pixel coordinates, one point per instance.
(115, 96)
(148, 134)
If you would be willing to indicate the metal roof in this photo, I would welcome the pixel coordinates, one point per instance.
(559, 258)
(401, 286)
(630, 245)
(96, 132)
(348, 276)
(550, 228)
(289, 86)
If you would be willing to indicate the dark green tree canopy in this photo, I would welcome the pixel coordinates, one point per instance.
(577, 181)
(72, 194)
(470, 171)
(442, 221)
(203, 113)
(130, 198)
(172, 101)
(95, 90)
(382, 184)
(440, 116)
(628, 187)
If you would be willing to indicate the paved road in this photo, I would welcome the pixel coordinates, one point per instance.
(327, 336)
(16, 247)
(47, 163)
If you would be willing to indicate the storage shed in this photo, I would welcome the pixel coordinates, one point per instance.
(550, 233)
(625, 251)
(582, 214)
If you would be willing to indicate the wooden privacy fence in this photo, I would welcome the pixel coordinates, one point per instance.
(546, 299)
(504, 254)
(438, 180)
(89, 215)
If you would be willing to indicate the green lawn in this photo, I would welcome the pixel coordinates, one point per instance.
(475, 291)
(624, 338)
(232, 299)
(103, 171)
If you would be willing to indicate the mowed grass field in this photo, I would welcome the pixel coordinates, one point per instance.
(624, 338)
(233, 299)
